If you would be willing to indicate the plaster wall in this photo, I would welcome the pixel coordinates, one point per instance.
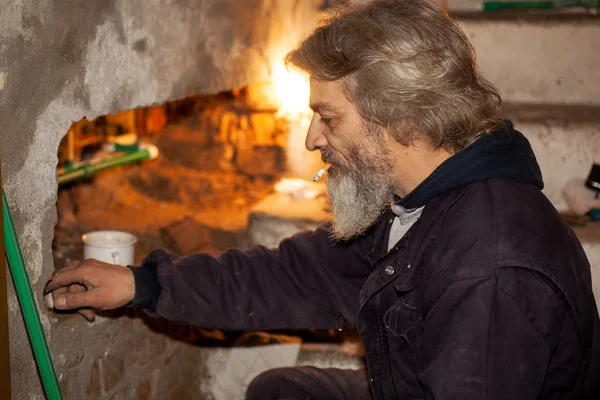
(62, 60)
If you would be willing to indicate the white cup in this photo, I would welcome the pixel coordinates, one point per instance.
(110, 246)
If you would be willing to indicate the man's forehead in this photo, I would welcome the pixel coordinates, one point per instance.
(326, 96)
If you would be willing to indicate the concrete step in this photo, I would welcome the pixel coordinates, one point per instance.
(565, 139)
(538, 58)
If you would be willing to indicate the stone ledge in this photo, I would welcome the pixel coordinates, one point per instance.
(577, 113)
(281, 215)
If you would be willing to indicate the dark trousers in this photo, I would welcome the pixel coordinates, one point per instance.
(310, 383)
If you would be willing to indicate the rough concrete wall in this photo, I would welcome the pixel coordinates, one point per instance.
(538, 59)
(62, 60)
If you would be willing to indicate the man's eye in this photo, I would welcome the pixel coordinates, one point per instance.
(326, 121)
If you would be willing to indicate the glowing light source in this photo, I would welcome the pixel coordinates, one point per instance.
(291, 93)
(292, 90)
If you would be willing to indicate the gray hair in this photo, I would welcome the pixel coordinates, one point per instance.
(407, 66)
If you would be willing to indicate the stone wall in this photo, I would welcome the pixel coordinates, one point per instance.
(63, 60)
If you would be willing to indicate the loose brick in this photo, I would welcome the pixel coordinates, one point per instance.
(185, 236)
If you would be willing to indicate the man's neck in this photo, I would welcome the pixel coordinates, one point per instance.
(414, 163)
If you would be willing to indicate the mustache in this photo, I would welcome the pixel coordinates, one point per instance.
(327, 155)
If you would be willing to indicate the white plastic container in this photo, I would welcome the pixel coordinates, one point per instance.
(112, 247)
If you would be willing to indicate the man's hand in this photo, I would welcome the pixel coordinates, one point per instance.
(91, 285)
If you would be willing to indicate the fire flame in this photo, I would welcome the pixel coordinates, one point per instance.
(292, 90)
(292, 94)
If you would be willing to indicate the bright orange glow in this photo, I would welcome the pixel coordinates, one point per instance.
(292, 90)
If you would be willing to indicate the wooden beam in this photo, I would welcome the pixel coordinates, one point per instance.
(4, 342)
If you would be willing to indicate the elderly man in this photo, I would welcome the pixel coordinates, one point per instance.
(460, 276)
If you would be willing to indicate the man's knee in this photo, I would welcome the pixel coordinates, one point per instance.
(310, 383)
(268, 385)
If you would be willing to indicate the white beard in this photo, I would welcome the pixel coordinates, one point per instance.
(361, 187)
(357, 206)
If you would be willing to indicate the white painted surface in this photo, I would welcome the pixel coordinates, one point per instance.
(539, 62)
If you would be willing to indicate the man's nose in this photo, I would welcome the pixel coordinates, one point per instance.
(315, 139)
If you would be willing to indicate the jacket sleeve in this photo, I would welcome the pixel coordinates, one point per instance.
(489, 339)
(308, 282)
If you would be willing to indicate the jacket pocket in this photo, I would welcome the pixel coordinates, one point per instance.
(404, 331)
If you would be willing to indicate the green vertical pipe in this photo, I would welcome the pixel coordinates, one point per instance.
(5, 384)
(88, 170)
(28, 307)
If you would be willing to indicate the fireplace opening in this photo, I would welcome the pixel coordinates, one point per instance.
(201, 174)
(204, 170)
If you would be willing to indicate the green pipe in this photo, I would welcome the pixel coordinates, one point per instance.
(16, 265)
(5, 380)
(539, 5)
(126, 147)
(88, 170)
(501, 5)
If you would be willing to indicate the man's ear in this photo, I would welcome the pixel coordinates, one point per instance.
(391, 143)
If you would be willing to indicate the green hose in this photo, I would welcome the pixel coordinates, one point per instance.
(500, 5)
(539, 5)
(86, 171)
(16, 265)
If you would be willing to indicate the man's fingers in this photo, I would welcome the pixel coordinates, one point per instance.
(65, 277)
(87, 313)
(69, 301)
(74, 288)
(60, 290)
(49, 296)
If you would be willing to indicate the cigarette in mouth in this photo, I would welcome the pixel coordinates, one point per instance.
(321, 172)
